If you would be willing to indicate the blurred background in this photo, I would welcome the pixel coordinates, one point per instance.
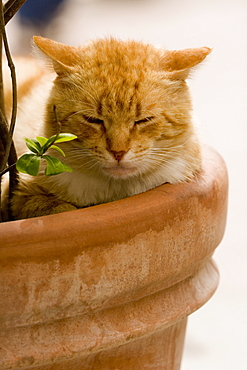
(217, 333)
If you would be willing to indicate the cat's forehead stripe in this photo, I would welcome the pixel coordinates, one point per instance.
(99, 108)
(138, 109)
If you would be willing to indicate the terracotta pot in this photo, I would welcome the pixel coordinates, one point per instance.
(110, 287)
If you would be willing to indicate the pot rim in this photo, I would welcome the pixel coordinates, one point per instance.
(114, 215)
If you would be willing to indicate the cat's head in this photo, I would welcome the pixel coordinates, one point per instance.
(127, 102)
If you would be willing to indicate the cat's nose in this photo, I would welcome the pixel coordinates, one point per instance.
(118, 155)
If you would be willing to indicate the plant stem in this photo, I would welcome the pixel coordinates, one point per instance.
(14, 91)
(4, 134)
(7, 169)
(9, 155)
(10, 8)
(2, 108)
(3, 126)
(58, 123)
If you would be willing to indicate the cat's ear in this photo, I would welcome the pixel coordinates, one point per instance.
(62, 57)
(178, 63)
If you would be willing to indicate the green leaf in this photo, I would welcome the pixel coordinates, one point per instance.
(55, 166)
(65, 137)
(42, 140)
(33, 145)
(58, 149)
(29, 163)
(48, 143)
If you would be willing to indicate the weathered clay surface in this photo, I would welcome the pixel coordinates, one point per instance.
(89, 289)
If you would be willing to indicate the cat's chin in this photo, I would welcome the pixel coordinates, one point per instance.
(120, 172)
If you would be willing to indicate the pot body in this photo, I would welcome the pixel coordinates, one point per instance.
(111, 286)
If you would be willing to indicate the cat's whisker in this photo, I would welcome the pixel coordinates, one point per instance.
(171, 154)
(88, 167)
(85, 103)
(87, 93)
(173, 145)
(146, 96)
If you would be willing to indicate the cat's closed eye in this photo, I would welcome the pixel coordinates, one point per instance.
(93, 120)
(99, 121)
(144, 120)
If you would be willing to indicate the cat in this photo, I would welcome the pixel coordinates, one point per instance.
(129, 105)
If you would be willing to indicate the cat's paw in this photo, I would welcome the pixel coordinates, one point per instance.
(26, 206)
(64, 207)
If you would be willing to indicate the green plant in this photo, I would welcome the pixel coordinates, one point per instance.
(30, 162)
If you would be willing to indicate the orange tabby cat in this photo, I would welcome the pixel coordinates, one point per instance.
(129, 105)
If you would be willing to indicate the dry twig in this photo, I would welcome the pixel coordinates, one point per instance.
(7, 149)
(10, 8)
